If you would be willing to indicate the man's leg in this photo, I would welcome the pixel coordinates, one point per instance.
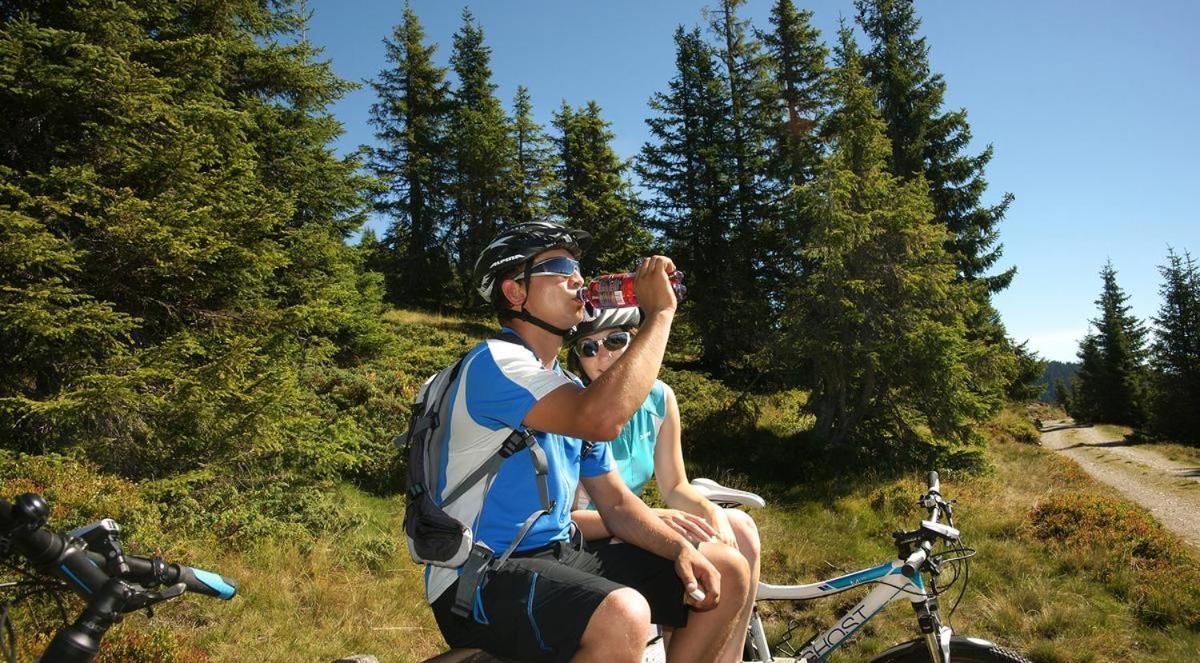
(541, 609)
(707, 633)
(614, 633)
(698, 636)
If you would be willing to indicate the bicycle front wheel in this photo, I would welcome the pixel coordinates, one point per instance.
(963, 649)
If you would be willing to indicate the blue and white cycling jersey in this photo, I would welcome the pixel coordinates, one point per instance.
(497, 386)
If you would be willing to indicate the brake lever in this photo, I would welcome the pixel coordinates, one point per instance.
(149, 599)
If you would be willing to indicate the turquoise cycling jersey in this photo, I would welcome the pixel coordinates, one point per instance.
(633, 449)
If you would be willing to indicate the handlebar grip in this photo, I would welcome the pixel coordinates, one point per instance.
(934, 483)
(203, 582)
(914, 562)
(142, 571)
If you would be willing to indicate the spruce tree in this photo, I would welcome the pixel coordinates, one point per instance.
(688, 171)
(927, 140)
(533, 162)
(484, 175)
(412, 162)
(1086, 386)
(801, 80)
(1112, 379)
(1027, 384)
(799, 63)
(1175, 405)
(175, 272)
(593, 193)
(753, 275)
(1060, 394)
(878, 315)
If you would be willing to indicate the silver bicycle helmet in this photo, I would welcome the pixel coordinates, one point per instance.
(606, 319)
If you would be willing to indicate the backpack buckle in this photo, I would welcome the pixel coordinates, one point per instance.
(518, 440)
(471, 581)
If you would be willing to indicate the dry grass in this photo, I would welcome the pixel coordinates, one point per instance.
(1179, 453)
(322, 601)
(1070, 602)
(1050, 599)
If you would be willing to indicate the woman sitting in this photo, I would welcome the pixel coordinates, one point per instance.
(649, 445)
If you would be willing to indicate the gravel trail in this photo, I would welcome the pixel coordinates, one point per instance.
(1168, 489)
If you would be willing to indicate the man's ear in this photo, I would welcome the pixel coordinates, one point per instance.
(514, 291)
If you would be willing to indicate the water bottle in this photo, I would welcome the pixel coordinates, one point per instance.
(616, 291)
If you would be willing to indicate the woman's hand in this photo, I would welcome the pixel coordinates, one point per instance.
(692, 527)
(720, 522)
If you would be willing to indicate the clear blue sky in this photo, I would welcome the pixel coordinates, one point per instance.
(1093, 109)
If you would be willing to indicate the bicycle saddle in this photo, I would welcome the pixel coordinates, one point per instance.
(715, 492)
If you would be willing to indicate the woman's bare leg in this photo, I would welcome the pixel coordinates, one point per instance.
(746, 533)
(707, 633)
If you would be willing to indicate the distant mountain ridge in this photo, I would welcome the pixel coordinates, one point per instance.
(1056, 370)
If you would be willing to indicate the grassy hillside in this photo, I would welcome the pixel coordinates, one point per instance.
(1064, 572)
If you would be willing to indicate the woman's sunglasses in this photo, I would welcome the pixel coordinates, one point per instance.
(556, 266)
(614, 341)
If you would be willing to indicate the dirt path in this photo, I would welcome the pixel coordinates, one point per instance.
(1170, 490)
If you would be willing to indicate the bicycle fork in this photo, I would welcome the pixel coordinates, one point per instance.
(937, 635)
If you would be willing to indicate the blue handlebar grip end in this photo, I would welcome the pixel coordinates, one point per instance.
(224, 589)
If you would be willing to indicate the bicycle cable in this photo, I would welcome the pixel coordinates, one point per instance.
(966, 563)
(32, 585)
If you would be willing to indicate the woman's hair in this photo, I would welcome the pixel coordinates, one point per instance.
(573, 363)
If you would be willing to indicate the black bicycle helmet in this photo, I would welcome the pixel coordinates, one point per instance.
(514, 249)
(516, 246)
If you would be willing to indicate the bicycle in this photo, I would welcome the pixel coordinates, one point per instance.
(89, 561)
(912, 576)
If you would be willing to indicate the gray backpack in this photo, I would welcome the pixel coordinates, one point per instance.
(435, 537)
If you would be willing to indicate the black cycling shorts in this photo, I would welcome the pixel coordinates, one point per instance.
(538, 605)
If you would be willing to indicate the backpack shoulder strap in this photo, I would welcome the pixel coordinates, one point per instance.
(426, 418)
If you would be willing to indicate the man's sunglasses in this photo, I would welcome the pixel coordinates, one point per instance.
(614, 341)
(556, 266)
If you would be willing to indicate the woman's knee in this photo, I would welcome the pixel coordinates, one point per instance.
(731, 564)
(746, 532)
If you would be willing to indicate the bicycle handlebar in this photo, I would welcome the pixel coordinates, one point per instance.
(937, 506)
(60, 556)
(155, 571)
(107, 591)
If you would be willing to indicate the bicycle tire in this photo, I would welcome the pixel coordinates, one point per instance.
(963, 649)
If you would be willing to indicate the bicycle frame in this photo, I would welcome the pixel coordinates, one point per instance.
(890, 585)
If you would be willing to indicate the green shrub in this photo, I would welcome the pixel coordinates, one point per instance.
(1122, 546)
(78, 494)
(1010, 425)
